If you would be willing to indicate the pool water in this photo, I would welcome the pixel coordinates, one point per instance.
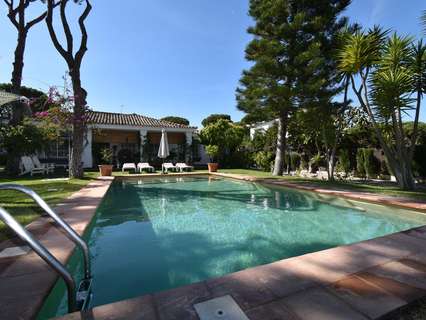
(159, 233)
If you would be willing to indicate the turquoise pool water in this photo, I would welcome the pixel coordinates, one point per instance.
(155, 234)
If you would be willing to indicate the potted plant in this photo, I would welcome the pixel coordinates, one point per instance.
(106, 156)
(212, 151)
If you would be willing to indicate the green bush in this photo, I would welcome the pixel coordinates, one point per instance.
(316, 162)
(360, 168)
(264, 160)
(367, 163)
(293, 159)
(344, 163)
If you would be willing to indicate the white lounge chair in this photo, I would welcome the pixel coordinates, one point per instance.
(50, 167)
(128, 166)
(29, 167)
(183, 166)
(145, 166)
(169, 166)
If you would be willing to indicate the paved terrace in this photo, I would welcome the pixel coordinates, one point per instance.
(365, 280)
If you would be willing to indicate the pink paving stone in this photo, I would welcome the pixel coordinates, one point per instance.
(328, 266)
(278, 279)
(246, 287)
(319, 304)
(272, 311)
(405, 271)
(141, 308)
(369, 299)
(177, 304)
(398, 289)
(25, 281)
(417, 232)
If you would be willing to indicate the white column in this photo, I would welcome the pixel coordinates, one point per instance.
(188, 136)
(142, 134)
(87, 157)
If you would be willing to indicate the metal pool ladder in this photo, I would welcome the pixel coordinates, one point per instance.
(78, 298)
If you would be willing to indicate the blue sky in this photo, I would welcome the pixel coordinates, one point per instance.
(167, 57)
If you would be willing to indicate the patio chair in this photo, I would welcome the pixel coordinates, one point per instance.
(183, 166)
(169, 166)
(50, 167)
(145, 166)
(128, 166)
(29, 167)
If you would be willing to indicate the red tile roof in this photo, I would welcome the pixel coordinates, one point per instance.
(122, 119)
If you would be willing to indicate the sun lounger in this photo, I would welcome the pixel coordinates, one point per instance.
(128, 166)
(50, 167)
(183, 166)
(145, 166)
(29, 167)
(169, 166)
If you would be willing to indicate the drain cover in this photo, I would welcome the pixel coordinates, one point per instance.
(222, 308)
(14, 251)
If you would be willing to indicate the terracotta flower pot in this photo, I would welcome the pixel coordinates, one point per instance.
(105, 169)
(213, 167)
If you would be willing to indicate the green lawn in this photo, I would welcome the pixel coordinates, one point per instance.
(52, 189)
(388, 188)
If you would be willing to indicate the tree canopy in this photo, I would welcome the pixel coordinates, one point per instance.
(290, 51)
(215, 117)
(178, 120)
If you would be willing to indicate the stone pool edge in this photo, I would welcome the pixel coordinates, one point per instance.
(400, 202)
(245, 286)
(26, 281)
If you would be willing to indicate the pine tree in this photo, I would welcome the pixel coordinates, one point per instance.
(291, 49)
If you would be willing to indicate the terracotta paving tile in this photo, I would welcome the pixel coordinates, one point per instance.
(246, 287)
(21, 309)
(365, 297)
(141, 308)
(177, 304)
(405, 271)
(417, 232)
(272, 311)
(27, 264)
(398, 289)
(329, 266)
(319, 304)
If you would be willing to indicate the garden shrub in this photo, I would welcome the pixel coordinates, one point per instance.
(360, 168)
(264, 160)
(367, 163)
(344, 163)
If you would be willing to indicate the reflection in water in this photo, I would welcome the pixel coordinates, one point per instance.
(151, 235)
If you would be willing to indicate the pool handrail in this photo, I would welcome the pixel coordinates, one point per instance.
(45, 255)
(70, 231)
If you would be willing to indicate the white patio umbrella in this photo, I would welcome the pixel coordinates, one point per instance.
(163, 151)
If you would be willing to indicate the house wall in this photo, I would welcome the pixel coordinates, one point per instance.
(172, 137)
(115, 136)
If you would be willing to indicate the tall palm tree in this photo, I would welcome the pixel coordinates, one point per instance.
(390, 72)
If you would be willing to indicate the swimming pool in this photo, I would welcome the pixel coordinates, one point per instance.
(158, 233)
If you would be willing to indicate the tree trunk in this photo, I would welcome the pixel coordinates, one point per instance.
(281, 145)
(19, 109)
(331, 161)
(79, 127)
(402, 170)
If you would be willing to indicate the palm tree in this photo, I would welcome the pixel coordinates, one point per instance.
(391, 70)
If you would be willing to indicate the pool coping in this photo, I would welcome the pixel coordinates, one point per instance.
(276, 287)
(401, 202)
(25, 281)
